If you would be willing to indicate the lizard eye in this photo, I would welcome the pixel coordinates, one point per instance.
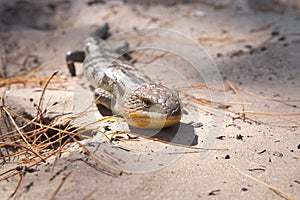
(147, 103)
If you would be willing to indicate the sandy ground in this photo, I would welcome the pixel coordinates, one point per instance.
(223, 44)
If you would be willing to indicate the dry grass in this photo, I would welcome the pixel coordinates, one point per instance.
(277, 191)
(237, 109)
(38, 139)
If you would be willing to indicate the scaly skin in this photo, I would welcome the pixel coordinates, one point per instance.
(126, 91)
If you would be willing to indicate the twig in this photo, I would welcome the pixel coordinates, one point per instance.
(39, 114)
(40, 124)
(86, 197)
(267, 98)
(277, 191)
(63, 180)
(24, 147)
(56, 155)
(192, 87)
(97, 160)
(156, 57)
(170, 143)
(3, 97)
(22, 176)
(16, 126)
(232, 86)
(270, 114)
(22, 135)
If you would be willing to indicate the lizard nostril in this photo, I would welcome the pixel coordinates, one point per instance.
(176, 112)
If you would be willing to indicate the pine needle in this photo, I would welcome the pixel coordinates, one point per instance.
(277, 191)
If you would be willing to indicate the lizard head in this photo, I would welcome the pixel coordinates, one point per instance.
(151, 106)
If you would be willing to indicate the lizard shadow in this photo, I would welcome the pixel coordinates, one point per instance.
(181, 133)
(103, 110)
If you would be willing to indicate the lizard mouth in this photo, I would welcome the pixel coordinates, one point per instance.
(151, 121)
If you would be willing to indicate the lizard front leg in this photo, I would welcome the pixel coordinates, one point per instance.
(71, 58)
(104, 98)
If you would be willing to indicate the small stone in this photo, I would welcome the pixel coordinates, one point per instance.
(281, 38)
(221, 137)
(263, 49)
(278, 154)
(214, 192)
(197, 125)
(275, 33)
(219, 55)
(239, 137)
